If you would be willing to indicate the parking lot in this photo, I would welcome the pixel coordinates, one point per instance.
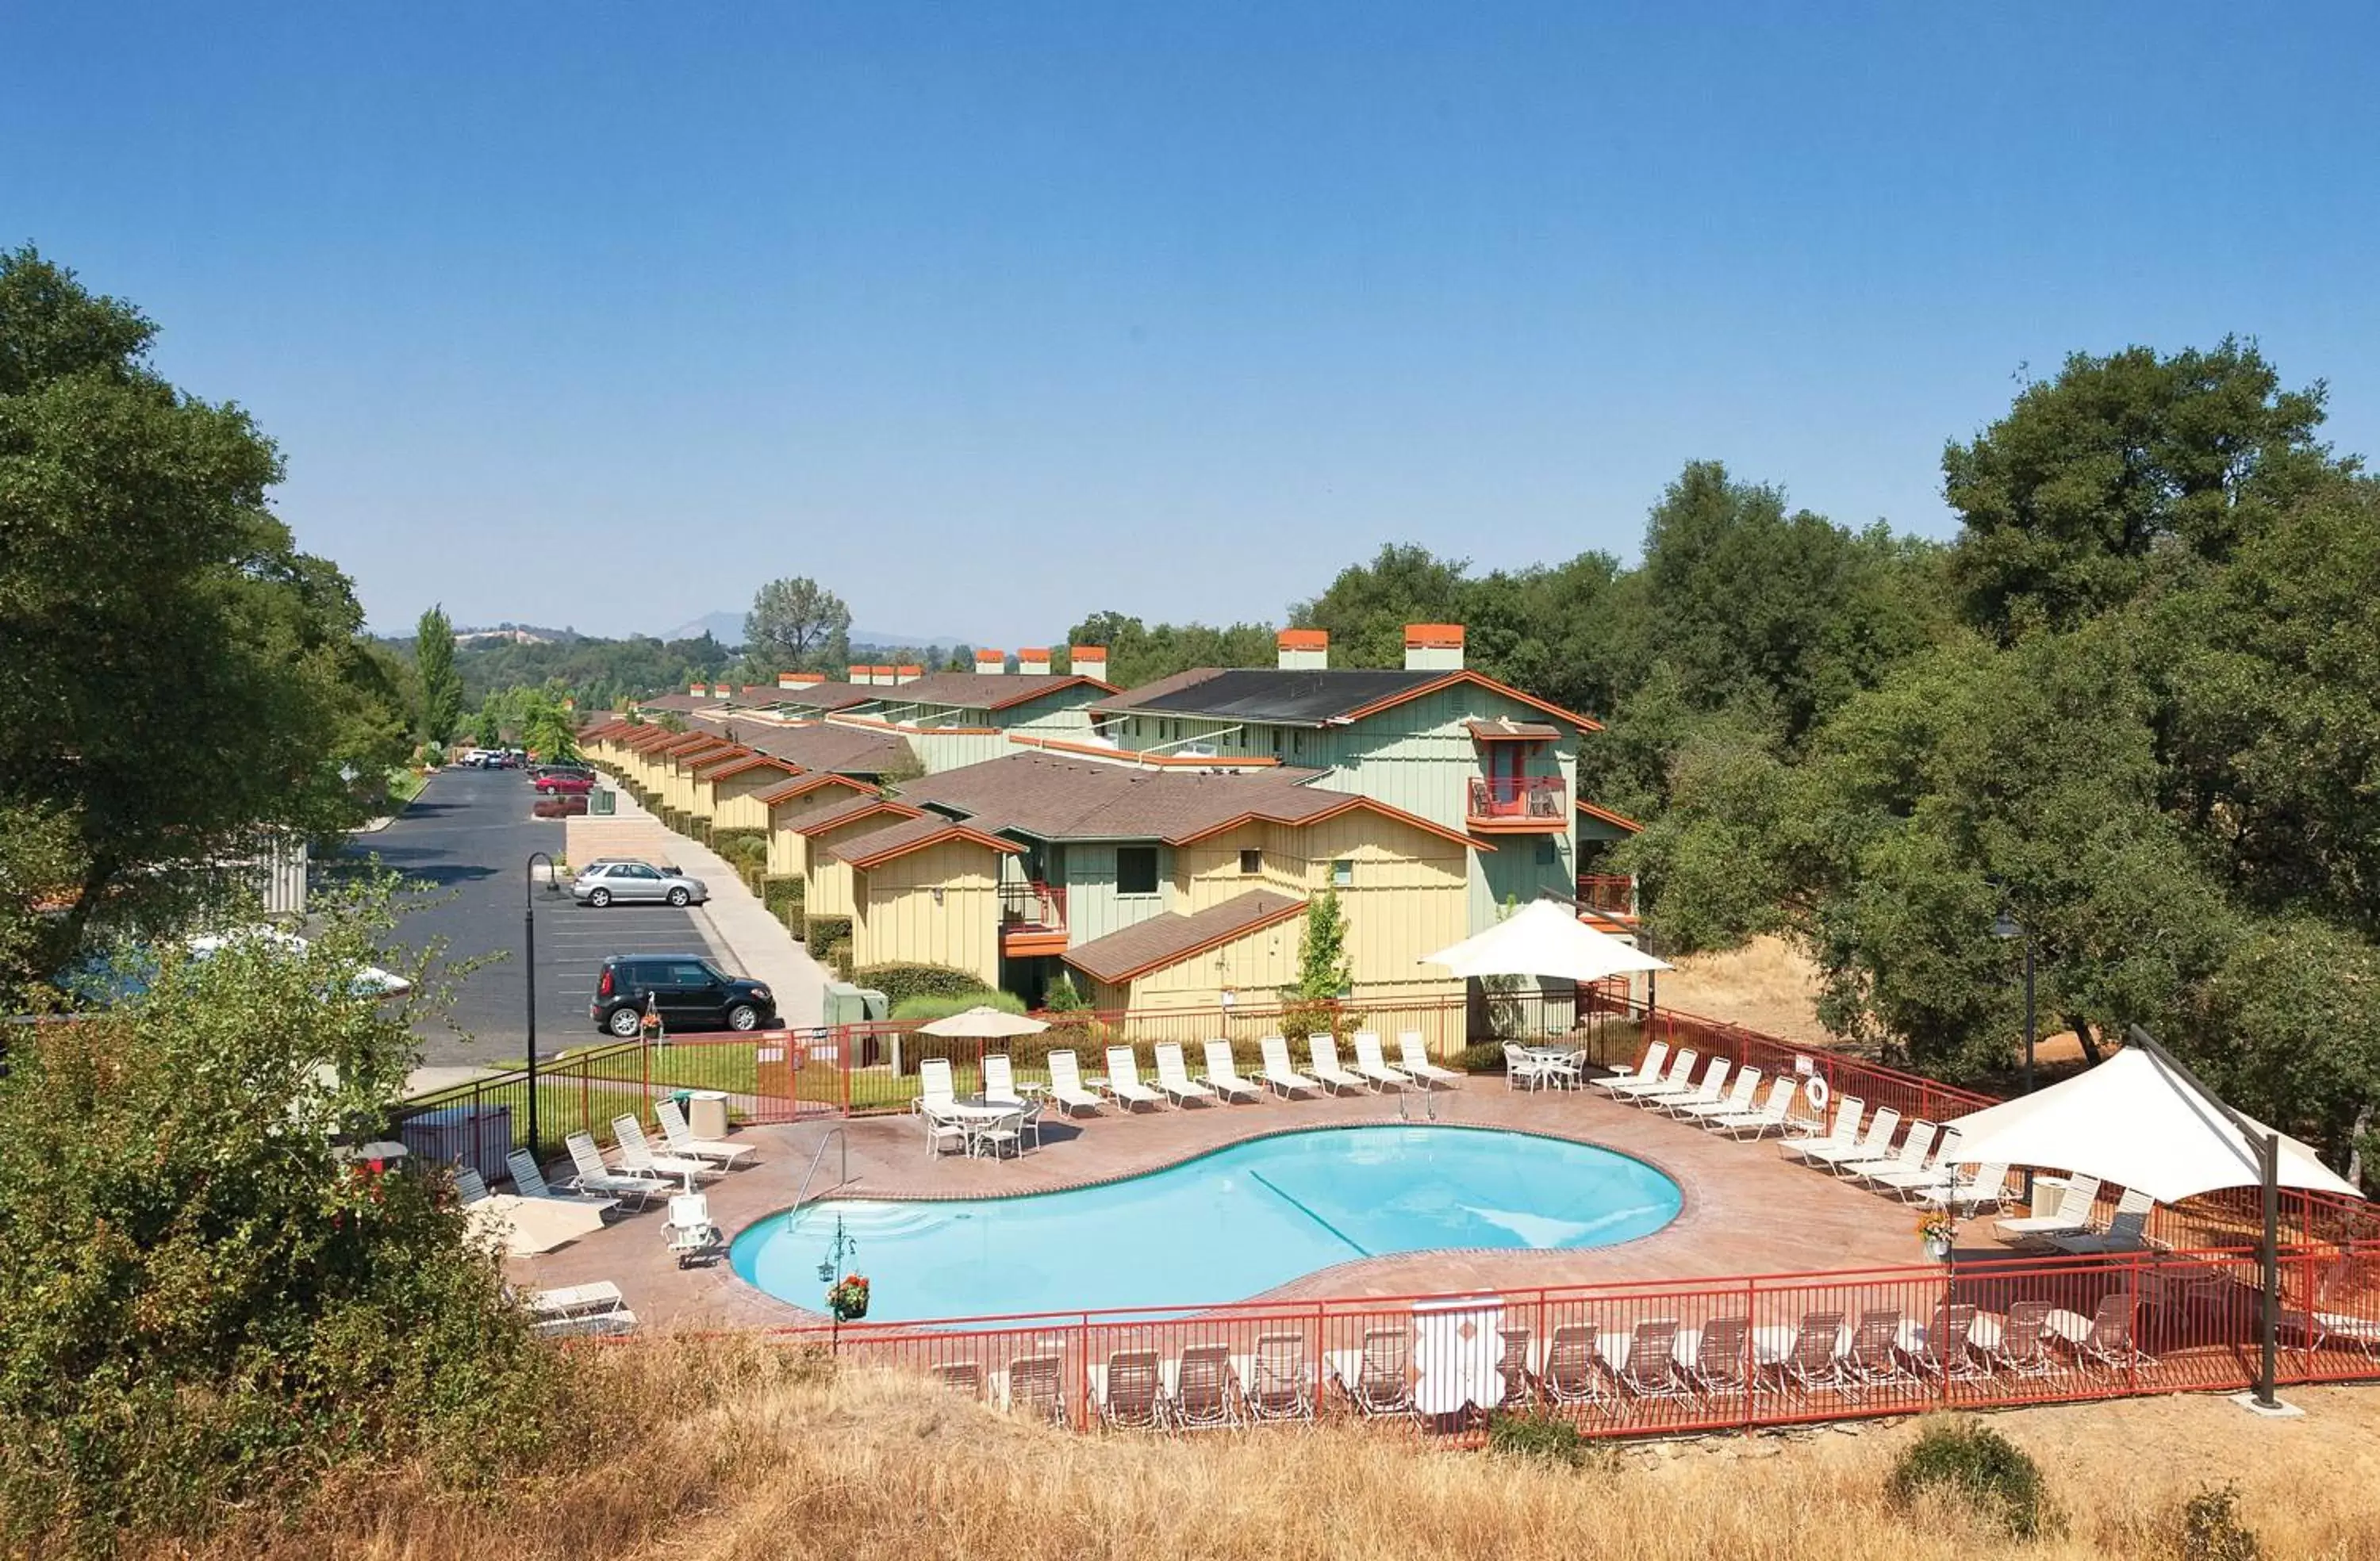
(467, 844)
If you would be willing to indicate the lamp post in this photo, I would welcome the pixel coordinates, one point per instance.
(2006, 926)
(528, 972)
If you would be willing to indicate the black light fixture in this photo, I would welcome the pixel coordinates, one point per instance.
(2006, 926)
(528, 972)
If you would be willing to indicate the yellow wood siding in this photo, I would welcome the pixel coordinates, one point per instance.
(735, 802)
(899, 917)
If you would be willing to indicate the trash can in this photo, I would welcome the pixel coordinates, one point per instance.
(706, 1112)
(2047, 1192)
(602, 801)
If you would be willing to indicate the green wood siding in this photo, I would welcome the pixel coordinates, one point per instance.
(1094, 908)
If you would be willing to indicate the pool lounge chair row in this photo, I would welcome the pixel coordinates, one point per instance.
(1736, 1106)
(1925, 1169)
(1201, 1387)
(1222, 1082)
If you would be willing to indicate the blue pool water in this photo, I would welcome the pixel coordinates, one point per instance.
(1221, 1227)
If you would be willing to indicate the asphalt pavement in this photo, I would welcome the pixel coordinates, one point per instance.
(466, 843)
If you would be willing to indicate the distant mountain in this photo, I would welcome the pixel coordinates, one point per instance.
(727, 628)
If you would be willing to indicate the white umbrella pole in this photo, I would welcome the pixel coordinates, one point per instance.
(2268, 1165)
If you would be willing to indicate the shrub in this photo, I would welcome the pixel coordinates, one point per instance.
(899, 982)
(838, 958)
(1486, 1057)
(742, 847)
(2212, 1529)
(1971, 1461)
(818, 933)
(1063, 996)
(1541, 1438)
(782, 897)
(924, 1008)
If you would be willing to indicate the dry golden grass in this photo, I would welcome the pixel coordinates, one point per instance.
(864, 1464)
(1767, 985)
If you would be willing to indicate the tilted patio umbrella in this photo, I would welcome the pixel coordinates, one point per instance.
(2144, 1120)
(1545, 938)
(985, 1021)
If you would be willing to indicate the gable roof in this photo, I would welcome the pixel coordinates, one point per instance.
(1060, 799)
(879, 846)
(747, 762)
(819, 746)
(808, 781)
(1158, 941)
(1310, 696)
(1616, 819)
(810, 695)
(851, 812)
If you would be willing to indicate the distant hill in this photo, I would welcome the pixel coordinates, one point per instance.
(727, 628)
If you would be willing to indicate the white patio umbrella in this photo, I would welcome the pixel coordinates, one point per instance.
(525, 1227)
(985, 1021)
(2136, 1121)
(1545, 938)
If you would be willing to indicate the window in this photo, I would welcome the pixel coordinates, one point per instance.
(1136, 870)
(1343, 873)
(1546, 852)
(1298, 742)
(1251, 862)
(1276, 741)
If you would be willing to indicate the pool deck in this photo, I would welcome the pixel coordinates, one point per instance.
(1747, 1210)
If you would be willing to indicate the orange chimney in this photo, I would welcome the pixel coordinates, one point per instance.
(1303, 649)
(1089, 660)
(991, 662)
(1433, 646)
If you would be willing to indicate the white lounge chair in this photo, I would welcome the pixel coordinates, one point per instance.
(934, 1086)
(1414, 1058)
(1738, 1101)
(2106, 1337)
(1129, 1391)
(2127, 1229)
(1799, 1144)
(470, 1187)
(579, 1311)
(1324, 1052)
(1224, 1074)
(690, 1234)
(2071, 1217)
(680, 1140)
(1647, 1068)
(1776, 1113)
(1712, 1087)
(637, 1154)
(1987, 1187)
(1941, 1169)
(1000, 1080)
(1066, 1086)
(529, 1181)
(1872, 1143)
(1373, 1065)
(1679, 1077)
(1916, 1146)
(1276, 1382)
(1173, 1076)
(1124, 1080)
(595, 1177)
(1278, 1073)
(1202, 1390)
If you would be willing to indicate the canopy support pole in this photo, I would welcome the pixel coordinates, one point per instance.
(2268, 1173)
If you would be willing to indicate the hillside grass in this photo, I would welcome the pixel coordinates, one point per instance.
(733, 1450)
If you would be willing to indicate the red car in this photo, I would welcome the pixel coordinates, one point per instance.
(566, 785)
(560, 807)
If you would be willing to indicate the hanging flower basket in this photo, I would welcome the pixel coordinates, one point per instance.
(846, 1299)
(1939, 1234)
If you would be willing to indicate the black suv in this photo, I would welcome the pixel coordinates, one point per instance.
(687, 990)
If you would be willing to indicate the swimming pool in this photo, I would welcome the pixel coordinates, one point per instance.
(1226, 1226)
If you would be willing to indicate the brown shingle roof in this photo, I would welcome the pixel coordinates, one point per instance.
(808, 781)
(857, 807)
(983, 691)
(810, 695)
(827, 747)
(1169, 939)
(1058, 799)
(911, 834)
(1501, 729)
(686, 703)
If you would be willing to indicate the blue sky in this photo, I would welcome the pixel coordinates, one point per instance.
(992, 315)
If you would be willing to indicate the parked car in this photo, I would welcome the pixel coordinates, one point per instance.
(557, 782)
(687, 990)
(539, 772)
(571, 806)
(631, 861)
(635, 883)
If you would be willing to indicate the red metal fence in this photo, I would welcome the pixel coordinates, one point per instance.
(1657, 1357)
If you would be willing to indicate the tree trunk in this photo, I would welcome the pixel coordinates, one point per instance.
(2355, 1143)
(2082, 1028)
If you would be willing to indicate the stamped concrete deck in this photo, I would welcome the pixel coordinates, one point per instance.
(1746, 1211)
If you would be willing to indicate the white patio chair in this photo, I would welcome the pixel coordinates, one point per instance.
(1678, 1077)
(595, 1177)
(1128, 1390)
(637, 1154)
(2071, 1217)
(944, 1128)
(2104, 1339)
(1871, 1145)
(528, 1181)
(1563, 1069)
(1000, 1080)
(1941, 1169)
(1712, 1088)
(1373, 1065)
(1917, 1145)
(680, 1140)
(1124, 1080)
(1066, 1086)
(470, 1187)
(1738, 1101)
(1224, 1074)
(934, 1082)
(1524, 1068)
(1413, 1056)
(1800, 1141)
(1647, 1068)
(1568, 1374)
(1276, 1382)
(689, 1233)
(1173, 1076)
(1001, 1135)
(2127, 1229)
(1777, 1112)
(1278, 1073)
(1986, 1187)
(1203, 1391)
(1323, 1050)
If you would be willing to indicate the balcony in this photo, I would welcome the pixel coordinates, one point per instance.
(1519, 805)
(1032, 918)
(1607, 897)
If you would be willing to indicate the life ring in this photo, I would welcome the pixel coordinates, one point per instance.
(1813, 1089)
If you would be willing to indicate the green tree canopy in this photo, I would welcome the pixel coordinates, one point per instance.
(797, 622)
(442, 686)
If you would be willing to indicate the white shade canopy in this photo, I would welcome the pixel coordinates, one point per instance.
(985, 1022)
(525, 1227)
(1545, 938)
(2134, 1122)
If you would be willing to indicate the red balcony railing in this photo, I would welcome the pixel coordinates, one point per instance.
(1033, 906)
(1540, 798)
(1612, 894)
